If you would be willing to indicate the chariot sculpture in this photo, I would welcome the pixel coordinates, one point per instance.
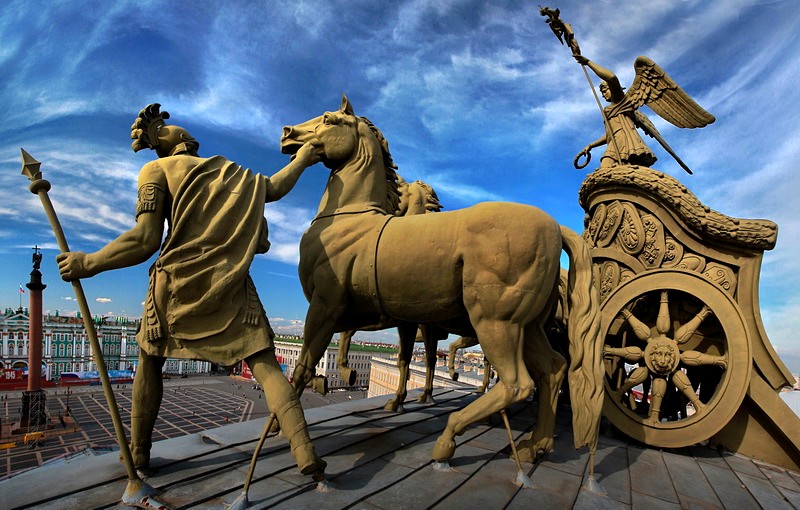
(686, 355)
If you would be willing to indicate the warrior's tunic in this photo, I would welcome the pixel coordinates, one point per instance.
(201, 302)
(621, 135)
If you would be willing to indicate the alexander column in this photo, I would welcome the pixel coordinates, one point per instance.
(33, 400)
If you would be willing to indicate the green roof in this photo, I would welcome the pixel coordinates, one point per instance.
(356, 347)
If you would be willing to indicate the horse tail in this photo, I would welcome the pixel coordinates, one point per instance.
(582, 311)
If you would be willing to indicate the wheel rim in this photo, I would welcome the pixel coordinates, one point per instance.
(680, 341)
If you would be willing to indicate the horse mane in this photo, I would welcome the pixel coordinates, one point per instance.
(392, 185)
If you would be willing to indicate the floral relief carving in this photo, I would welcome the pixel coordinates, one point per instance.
(653, 251)
(610, 224)
(595, 223)
(631, 231)
(673, 252)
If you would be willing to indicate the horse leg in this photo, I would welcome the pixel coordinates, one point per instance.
(408, 333)
(451, 359)
(317, 334)
(487, 375)
(501, 344)
(548, 368)
(346, 373)
(430, 363)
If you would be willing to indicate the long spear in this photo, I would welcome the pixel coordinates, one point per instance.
(564, 33)
(137, 493)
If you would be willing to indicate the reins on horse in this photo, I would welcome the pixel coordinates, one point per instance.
(376, 298)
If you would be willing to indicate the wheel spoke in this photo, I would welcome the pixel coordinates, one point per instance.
(686, 331)
(681, 381)
(631, 354)
(662, 322)
(639, 328)
(637, 377)
(696, 359)
(657, 393)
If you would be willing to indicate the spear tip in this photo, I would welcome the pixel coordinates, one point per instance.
(30, 167)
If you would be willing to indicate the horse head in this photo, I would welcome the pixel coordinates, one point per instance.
(417, 198)
(335, 134)
(348, 145)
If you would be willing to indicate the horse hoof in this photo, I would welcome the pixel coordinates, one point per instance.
(444, 449)
(524, 455)
(394, 406)
(349, 376)
(529, 450)
(320, 384)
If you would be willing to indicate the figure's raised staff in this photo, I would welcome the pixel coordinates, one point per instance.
(652, 87)
(137, 493)
(565, 35)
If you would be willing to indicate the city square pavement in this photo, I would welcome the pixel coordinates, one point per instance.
(190, 405)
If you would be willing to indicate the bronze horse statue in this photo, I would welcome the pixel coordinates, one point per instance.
(490, 271)
(414, 198)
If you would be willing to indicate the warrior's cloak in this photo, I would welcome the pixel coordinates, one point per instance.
(201, 302)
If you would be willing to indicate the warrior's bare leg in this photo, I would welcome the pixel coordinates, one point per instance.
(148, 388)
(284, 402)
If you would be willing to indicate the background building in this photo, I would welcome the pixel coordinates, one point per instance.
(66, 346)
(359, 359)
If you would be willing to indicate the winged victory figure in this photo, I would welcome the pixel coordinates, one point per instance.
(652, 87)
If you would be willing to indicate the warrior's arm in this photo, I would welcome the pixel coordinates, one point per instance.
(597, 143)
(617, 93)
(284, 180)
(134, 246)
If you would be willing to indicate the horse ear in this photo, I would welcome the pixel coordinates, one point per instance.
(346, 106)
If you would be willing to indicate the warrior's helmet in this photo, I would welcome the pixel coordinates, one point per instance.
(150, 131)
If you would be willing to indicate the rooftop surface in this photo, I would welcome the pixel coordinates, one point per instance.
(381, 460)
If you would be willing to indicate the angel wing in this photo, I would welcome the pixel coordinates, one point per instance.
(653, 87)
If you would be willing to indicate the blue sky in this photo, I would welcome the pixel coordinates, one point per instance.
(476, 98)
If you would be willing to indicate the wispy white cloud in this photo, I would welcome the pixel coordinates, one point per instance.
(476, 98)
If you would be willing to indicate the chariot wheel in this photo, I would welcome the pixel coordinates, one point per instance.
(676, 356)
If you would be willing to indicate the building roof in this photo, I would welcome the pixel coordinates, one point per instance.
(378, 459)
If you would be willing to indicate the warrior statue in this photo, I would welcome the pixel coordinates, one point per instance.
(201, 302)
(652, 87)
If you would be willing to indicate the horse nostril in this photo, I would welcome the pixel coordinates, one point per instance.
(287, 131)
